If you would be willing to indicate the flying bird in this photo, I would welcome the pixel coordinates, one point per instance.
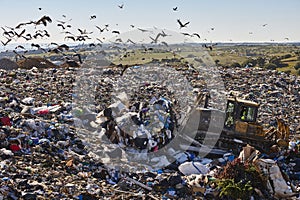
(5, 43)
(9, 34)
(62, 26)
(196, 34)
(119, 40)
(27, 37)
(264, 25)
(54, 43)
(41, 34)
(63, 22)
(63, 46)
(20, 47)
(99, 40)
(154, 40)
(143, 30)
(175, 8)
(93, 17)
(164, 43)
(209, 46)
(20, 34)
(121, 6)
(117, 32)
(82, 38)
(35, 36)
(59, 48)
(164, 34)
(130, 41)
(35, 45)
(23, 24)
(71, 37)
(101, 29)
(182, 25)
(44, 20)
(84, 32)
(186, 34)
(38, 47)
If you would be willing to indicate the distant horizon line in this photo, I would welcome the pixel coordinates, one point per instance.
(201, 42)
(11, 46)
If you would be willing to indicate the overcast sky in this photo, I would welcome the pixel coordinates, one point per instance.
(232, 20)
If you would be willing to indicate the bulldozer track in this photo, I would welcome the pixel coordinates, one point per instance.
(232, 142)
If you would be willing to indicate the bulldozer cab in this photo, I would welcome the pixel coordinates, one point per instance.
(241, 116)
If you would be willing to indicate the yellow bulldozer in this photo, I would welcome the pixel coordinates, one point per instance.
(240, 126)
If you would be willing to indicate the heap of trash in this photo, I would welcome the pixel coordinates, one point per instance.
(51, 148)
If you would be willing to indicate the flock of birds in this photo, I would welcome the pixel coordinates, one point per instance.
(13, 33)
(20, 31)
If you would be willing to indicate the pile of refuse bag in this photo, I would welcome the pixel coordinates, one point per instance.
(148, 125)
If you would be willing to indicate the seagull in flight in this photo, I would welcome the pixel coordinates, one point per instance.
(82, 32)
(121, 6)
(155, 40)
(44, 20)
(186, 34)
(93, 17)
(196, 34)
(101, 29)
(209, 46)
(182, 24)
(5, 43)
(117, 32)
(143, 30)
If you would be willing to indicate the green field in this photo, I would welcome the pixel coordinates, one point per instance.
(285, 56)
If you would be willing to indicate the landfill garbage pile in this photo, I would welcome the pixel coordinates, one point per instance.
(154, 121)
(277, 93)
(7, 64)
(37, 62)
(139, 117)
(44, 154)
